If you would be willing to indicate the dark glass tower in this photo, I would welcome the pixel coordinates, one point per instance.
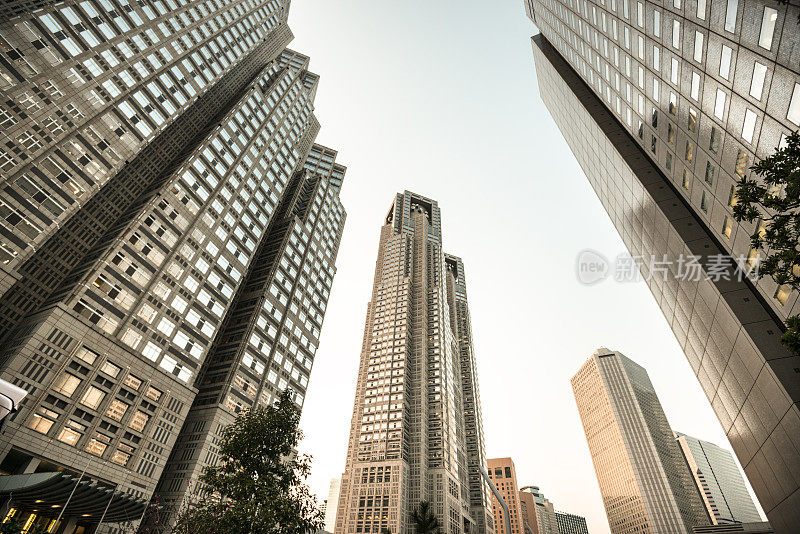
(168, 234)
(665, 106)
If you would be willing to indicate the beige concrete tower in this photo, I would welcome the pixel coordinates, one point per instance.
(644, 481)
(416, 433)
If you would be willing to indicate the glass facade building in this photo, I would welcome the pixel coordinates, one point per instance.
(571, 524)
(416, 432)
(719, 481)
(665, 105)
(168, 235)
(645, 483)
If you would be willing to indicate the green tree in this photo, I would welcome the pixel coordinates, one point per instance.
(258, 486)
(774, 200)
(424, 520)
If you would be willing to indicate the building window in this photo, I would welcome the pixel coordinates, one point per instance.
(689, 155)
(673, 103)
(695, 91)
(669, 161)
(782, 293)
(725, 62)
(749, 126)
(93, 397)
(687, 182)
(713, 144)
(727, 227)
(42, 424)
(692, 125)
(757, 82)
(793, 115)
(69, 436)
(139, 421)
(710, 173)
(116, 410)
(719, 105)
(767, 28)
(66, 384)
(730, 15)
(701, 9)
(670, 133)
(704, 202)
(676, 34)
(742, 159)
(698, 47)
(732, 200)
(654, 118)
(653, 144)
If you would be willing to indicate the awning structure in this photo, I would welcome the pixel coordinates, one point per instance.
(48, 492)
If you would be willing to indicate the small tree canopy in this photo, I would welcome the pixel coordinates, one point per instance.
(425, 520)
(258, 486)
(774, 200)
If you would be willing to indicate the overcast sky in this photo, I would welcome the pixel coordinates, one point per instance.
(440, 98)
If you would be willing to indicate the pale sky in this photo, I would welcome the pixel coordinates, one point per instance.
(440, 98)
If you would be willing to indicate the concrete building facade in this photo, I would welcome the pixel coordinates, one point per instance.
(539, 511)
(645, 484)
(167, 227)
(504, 477)
(665, 105)
(333, 504)
(416, 433)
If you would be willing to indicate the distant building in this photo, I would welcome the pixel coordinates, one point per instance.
(332, 503)
(643, 478)
(504, 476)
(571, 524)
(736, 528)
(719, 481)
(543, 514)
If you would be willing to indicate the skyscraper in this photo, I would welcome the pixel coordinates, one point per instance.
(665, 106)
(333, 504)
(571, 524)
(719, 481)
(504, 477)
(645, 484)
(167, 241)
(416, 431)
(538, 511)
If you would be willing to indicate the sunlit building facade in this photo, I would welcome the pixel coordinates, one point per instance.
(416, 433)
(645, 483)
(168, 233)
(665, 106)
(504, 477)
(719, 481)
(537, 511)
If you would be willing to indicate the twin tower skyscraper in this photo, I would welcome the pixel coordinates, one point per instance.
(168, 237)
(416, 432)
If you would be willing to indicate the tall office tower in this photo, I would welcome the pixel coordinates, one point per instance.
(155, 210)
(571, 524)
(333, 504)
(719, 481)
(665, 106)
(504, 477)
(269, 337)
(645, 484)
(538, 511)
(415, 431)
